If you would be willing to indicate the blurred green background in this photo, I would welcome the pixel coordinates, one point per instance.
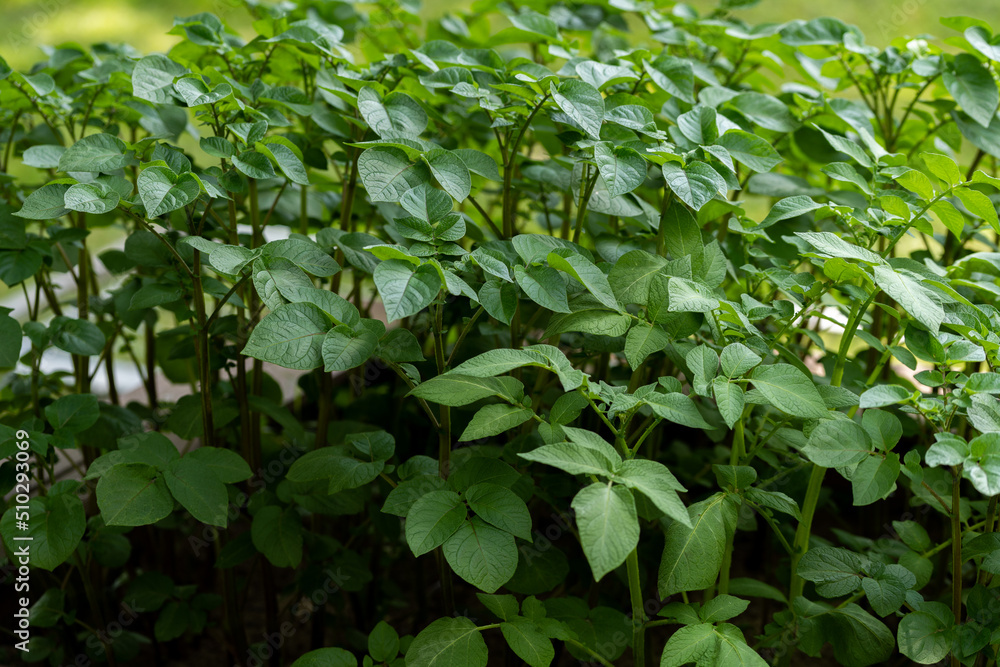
(25, 24)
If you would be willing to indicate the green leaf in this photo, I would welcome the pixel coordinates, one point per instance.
(56, 523)
(858, 638)
(448, 642)
(397, 114)
(95, 153)
(920, 301)
(277, 534)
(586, 273)
(383, 643)
(697, 643)
(499, 299)
(730, 399)
(198, 490)
(484, 556)
(600, 75)
(133, 494)
(653, 480)
(76, 336)
(500, 507)
(405, 289)
(642, 340)
(333, 466)
(288, 162)
(327, 657)
(836, 443)
(253, 165)
(153, 78)
(479, 163)
(73, 413)
(91, 199)
(455, 389)
(608, 525)
(572, 458)
(429, 205)
(307, 255)
(582, 103)
(886, 588)
(45, 203)
(750, 150)
(835, 571)
(528, 642)
(10, 341)
(737, 359)
(692, 554)
(621, 167)
(979, 204)
(722, 608)
(765, 110)
(676, 407)
(345, 348)
(973, 87)
(44, 156)
(218, 147)
(789, 207)
(290, 336)
(632, 275)
(695, 185)
(833, 246)
(882, 395)
(672, 75)
(387, 173)
(786, 388)
(926, 637)
(163, 191)
(875, 478)
(433, 519)
(449, 170)
(544, 286)
(227, 466)
(495, 419)
(687, 296)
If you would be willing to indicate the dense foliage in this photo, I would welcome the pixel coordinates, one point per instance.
(527, 335)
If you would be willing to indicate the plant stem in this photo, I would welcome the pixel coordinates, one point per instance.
(586, 188)
(596, 656)
(956, 550)
(737, 454)
(444, 453)
(802, 534)
(203, 357)
(638, 615)
(232, 621)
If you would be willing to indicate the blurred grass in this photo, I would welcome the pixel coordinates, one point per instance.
(25, 24)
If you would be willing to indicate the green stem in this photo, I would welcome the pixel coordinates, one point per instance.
(801, 543)
(737, 455)
(991, 513)
(638, 614)
(508, 172)
(593, 654)
(586, 188)
(95, 607)
(662, 229)
(444, 454)
(956, 550)
(203, 356)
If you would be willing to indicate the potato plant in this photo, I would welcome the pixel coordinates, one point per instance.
(607, 333)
